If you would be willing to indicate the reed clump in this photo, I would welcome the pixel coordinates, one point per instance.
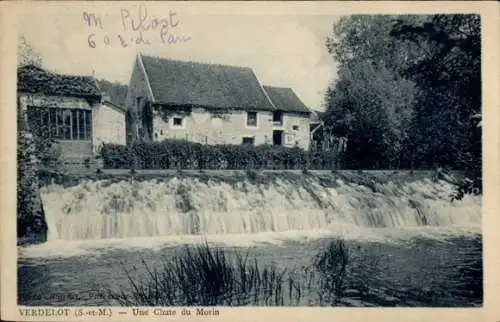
(207, 276)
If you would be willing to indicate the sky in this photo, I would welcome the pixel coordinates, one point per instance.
(283, 50)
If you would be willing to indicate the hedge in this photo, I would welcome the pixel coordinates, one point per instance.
(181, 154)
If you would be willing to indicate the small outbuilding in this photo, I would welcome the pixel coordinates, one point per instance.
(70, 109)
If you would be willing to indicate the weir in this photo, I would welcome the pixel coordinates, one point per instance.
(102, 209)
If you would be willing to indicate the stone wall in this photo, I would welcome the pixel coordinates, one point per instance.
(230, 127)
(108, 126)
(204, 127)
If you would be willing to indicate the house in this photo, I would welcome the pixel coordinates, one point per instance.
(71, 110)
(291, 118)
(108, 124)
(210, 104)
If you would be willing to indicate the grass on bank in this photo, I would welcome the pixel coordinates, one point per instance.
(209, 276)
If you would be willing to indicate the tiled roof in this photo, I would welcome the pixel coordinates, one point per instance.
(32, 79)
(208, 85)
(285, 99)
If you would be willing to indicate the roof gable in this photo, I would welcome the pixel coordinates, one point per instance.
(177, 82)
(32, 79)
(111, 104)
(285, 99)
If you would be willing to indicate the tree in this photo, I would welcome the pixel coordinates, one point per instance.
(372, 101)
(32, 151)
(27, 55)
(448, 96)
(117, 92)
(30, 213)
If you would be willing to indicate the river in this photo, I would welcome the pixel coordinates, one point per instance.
(409, 245)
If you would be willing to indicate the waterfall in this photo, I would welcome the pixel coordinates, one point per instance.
(105, 209)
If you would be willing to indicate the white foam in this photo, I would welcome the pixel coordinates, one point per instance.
(182, 207)
(95, 248)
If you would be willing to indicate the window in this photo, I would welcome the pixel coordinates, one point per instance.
(248, 140)
(278, 117)
(74, 123)
(66, 124)
(88, 125)
(60, 123)
(177, 122)
(52, 116)
(251, 118)
(81, 125)
(295, 127)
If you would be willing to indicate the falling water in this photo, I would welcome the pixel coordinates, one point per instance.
(95, 210)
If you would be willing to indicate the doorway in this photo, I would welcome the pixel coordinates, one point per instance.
(278, 137)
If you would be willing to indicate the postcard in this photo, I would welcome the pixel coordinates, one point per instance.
(250, 160)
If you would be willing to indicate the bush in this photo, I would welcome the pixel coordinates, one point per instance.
(181, 154)
(37, 157)
(116, 156)
(471, 184)
(30, 213)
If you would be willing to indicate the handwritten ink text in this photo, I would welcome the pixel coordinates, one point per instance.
(92, 20)
(138, 28)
